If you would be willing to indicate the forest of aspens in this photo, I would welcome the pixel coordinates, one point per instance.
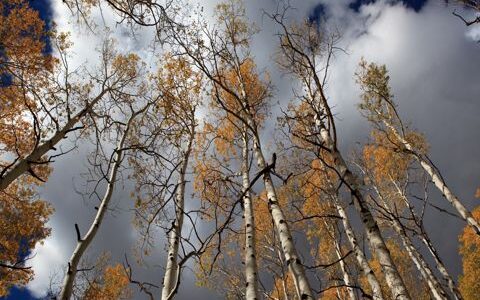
(283, 150)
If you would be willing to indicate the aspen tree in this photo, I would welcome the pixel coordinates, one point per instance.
(301, 50)
(378, 107)
(114, 164)
(226, 48)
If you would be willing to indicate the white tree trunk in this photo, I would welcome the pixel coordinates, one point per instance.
(424, 238)
(374, 236)
(442, 269)
(437, 180)
(359, 255)
(346, 276)
(435, 287)
(251, 269)
(171, 271)
(85, 242)
(293, 261)
(23, 165)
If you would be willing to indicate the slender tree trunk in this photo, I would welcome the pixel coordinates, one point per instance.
(251, 269)
(422, 266)
(442, 269)
(172, 268)
(292, 259)
(84, 243)
(437, 180)
(346, 276)
(25, 164)
(374, 236)
(359, 255)
(425, 239)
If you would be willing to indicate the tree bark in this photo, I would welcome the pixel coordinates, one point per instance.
(25, 164)
(374, 236)
(293, 261)
(437, 180)
(172, 268)
(359, 255)
(251, 269)
(84, 243)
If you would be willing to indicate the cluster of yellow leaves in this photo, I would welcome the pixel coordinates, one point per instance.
(407, 270)
(470, 251)
(112, 285)
(382, 159)
(247, 85)
(23, 220)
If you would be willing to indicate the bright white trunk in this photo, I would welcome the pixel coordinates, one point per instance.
(359, 255)
(435, 287)
(374, 236)
(23, 165)
(438, 181)
(171, 271)
(424, 238)
(293, 261)
(85, 242)
(251, 269)
(346, 276)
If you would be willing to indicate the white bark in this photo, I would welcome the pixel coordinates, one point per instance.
(85, 242)
(420, 263)
(437, 180)
(343, 267)
(424, 238)
(251, 269)
(359, 255)
(374, 236)
(24, 164)
(172, 269)
(293, 261)
(442, 269)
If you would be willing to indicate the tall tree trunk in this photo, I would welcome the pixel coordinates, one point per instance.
(437, 180)
(172, 268)
(422, 266)
(292, 259)
(25, 164)
(374, 236)
(251, 269)
(343, 267)
(426, 240)
(359, 255)
(85, 242)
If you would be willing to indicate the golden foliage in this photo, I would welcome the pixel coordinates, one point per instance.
(113, 284)
(23, 220)
(470, 251)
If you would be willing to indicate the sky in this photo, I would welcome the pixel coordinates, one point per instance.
(434, 64)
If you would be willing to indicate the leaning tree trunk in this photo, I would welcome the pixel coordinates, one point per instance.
(435, 287)
(84, 243)
(374, 236)
(291, 257)
(25, 164)
(343, 267)
(359, 255)
(433, 251)
(251, 270)
(172, 268)
(422, 266)
(437, 180)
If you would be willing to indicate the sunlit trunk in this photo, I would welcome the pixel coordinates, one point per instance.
(171, 270)
(251, 270)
